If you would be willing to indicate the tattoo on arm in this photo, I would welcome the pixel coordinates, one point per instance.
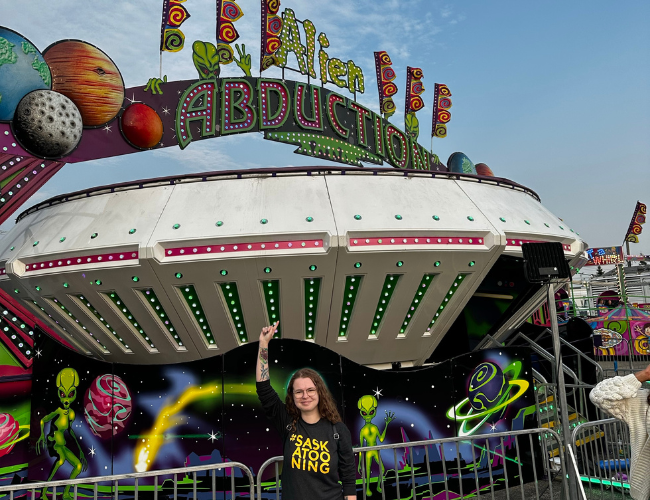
(264, 364)
(264, 375)
(264, 355)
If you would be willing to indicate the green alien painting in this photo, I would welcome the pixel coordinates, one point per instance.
(370, 434)
(56, 442)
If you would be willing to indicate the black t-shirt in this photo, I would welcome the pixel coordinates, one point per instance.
(314, 461)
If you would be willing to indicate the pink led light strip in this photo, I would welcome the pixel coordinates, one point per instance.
(243, 247)
(77, 261)
(518, 243)
(420, 240)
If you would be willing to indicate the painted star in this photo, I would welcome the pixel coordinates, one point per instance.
(107, 128)
(132, 99)
(165, 110)
(377, 392)
(212, 436)
(493, 427)
(38, 353)
(92, 451)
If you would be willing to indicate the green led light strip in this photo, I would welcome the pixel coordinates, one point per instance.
(448, 296)
(17, 340)
(194, 305)
(604, 482)
(423, 287)
(390, 282)
(352, 285)
(231, 295)
(71, 316)
(99, 317)
(312, 293)
(156, 307)
(271, 290)
(119, 303)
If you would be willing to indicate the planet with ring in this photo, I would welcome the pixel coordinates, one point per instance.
(489, 393)
(10, 433)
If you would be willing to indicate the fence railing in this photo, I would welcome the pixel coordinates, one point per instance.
(602, 449)
(481, 466)
(214, 480)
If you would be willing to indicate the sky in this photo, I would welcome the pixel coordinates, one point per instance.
(553, 95)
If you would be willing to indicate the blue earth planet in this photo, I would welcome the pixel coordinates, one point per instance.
(486, 386)
(459, 163)
(22, 70)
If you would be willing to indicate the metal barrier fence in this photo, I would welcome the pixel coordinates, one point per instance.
(579, 406)
(514, 462)
(130, 485)
(602, 449)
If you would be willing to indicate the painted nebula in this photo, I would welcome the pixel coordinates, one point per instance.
(88, 77)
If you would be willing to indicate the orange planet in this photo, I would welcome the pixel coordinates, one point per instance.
(88, 77)
(483, 169)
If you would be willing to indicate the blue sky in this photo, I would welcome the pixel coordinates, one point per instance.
(553, 95)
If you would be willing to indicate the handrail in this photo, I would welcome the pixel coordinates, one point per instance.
(593, 422)
(133, 475)
(429, 442)
(547, 356)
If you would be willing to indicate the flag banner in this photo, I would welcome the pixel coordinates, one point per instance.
(271, 29)
(227, 13)
(174, 14)
(638, 219)
(413, 102)
(385, 85)
(441, 114)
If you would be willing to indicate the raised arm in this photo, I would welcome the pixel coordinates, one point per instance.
(615, 395)
(262, 368)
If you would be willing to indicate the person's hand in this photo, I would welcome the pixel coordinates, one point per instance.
(643, 375)
(267, 334)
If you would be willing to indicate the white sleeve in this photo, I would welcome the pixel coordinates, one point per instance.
(614, 395)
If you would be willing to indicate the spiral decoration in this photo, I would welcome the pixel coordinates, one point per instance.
(228, 33)
(274, 26)
(389, 89)
(268, 61)
(638, 218)
(225, 53)
(272, 44)
(388, 106)
(416, 73)
(443, 116)
(444, 103)
(273, 6)
(641, 344)
(440, 130)
(177, 15)
(388, 74)
(444, 90)
(384, 58)
(174, 40)
(416, 103)
(230, 11)
(417, 88)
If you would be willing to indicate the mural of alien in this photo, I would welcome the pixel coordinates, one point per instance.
(370, 433)
(67, 382)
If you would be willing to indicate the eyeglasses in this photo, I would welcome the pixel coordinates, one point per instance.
(311, 392)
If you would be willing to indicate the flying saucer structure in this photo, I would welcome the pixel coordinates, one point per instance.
(376, 264)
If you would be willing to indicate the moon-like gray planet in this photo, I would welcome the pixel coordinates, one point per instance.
(47, 124)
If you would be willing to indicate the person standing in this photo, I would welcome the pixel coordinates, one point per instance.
(317, 446)
(623, 398)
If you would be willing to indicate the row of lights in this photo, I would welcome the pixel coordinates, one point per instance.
(448, 296)
(101, 319)
(312, 293)
(119, 303)
(194, 304)
(423, 287)
(154, 304)
(73, 318)
(390, 282)
(231, 296)
(351, 290)
(272, 299)
(13, 331)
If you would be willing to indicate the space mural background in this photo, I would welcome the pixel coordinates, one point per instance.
(131, 418)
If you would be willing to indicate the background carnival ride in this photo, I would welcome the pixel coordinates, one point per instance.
(186, 269)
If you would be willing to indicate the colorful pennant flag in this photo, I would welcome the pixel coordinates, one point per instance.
(413, 102)
(227, 13)
(174, 14)
(385, 85)
(638, 219)
(271, 28)
(441, 114)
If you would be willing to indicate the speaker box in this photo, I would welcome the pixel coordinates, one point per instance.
(545, 262)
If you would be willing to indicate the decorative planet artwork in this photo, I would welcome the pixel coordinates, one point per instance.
(460, 164)
(489, 393)
(22, 69)
(483, 169)
(141, 126)
(47, 124)
(88, 77)
(107, 405)
(10, 433)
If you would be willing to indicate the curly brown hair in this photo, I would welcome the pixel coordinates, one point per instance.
(326, 402)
